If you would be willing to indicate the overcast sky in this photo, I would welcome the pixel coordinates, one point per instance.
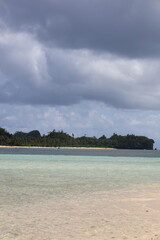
(85, 66)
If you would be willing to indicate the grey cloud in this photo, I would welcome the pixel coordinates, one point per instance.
(49, 52)
(80, 119)
(66, 63)
(125, 27)
(35, 74)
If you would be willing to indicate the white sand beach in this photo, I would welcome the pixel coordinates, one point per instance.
(3, 146)
(127, 215)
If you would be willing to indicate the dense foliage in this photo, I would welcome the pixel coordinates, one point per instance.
(62, 139)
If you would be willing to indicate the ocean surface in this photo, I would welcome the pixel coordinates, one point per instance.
(31, 176)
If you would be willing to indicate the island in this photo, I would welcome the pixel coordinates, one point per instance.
(62, 139)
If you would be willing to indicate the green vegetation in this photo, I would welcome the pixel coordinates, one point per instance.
(62, 139)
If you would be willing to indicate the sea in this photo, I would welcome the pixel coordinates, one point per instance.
(44, 190)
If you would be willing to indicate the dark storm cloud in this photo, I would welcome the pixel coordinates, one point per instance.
(63, 52)
(125, 27)
(84, 66)
(36, 75)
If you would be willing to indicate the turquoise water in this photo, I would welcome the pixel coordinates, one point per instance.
(26, 178)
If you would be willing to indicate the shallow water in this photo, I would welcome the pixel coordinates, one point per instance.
(76, 188)
(34, 177)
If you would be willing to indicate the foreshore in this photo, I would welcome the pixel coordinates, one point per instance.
(101, 216)
(89, 198)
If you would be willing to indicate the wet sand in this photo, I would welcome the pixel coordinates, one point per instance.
(97, 216)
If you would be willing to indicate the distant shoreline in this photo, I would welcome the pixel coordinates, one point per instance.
(1, 146)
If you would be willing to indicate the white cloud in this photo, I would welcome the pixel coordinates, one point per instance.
(83, 118)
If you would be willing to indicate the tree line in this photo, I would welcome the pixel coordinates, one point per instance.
(62, 139)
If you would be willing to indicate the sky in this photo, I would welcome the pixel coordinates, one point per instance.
(88, 67)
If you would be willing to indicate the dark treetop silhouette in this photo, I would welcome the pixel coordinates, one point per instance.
(62, 139)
